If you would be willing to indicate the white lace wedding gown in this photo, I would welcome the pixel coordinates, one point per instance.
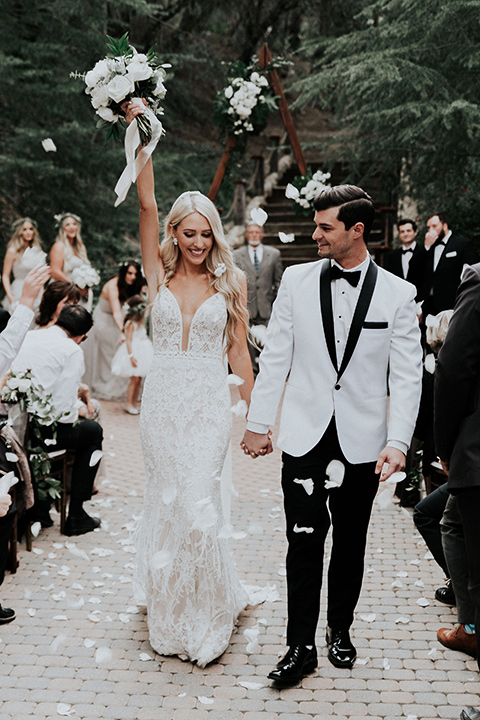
(184, 565)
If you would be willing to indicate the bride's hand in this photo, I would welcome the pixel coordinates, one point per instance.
(132, 109)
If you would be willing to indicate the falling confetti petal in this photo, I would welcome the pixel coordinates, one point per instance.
(335, 472)
(94, 618)
(423, 602)
(11, 457)
(95, 458)
(370, 617)
(250, 685)
(307, 484)
(240, 408)
(259, 216)
(286, 237)
(78, 552)
(35, 528)
(103, 655)
(297, 529)
(235, 380)
(395, 478)
(49, 146)
(291, 192)
(259, 332)
(429, 363)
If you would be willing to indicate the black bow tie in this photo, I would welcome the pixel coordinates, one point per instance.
(405, 250)
(439, 242)
(351, 277)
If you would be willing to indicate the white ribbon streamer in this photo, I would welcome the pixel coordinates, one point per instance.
(136, 164)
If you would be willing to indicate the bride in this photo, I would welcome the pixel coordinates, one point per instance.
(184, 564)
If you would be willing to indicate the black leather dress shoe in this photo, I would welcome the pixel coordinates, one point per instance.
(470, 713)
(341, 652)
(81, 525)
(6, 615)
(295, 665)
(446, 594)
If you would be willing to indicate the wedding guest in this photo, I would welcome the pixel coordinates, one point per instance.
(263, 267)
(457, 418)
(107, 331)
(408, 260)
(339, 358)
(25, 235)
(69, 252)
(56, 360)
(56, 295)
(447, 255)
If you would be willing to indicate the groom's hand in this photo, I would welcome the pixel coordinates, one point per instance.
(255, 444)
(395, 459)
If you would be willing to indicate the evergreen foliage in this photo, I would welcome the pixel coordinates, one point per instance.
(405, 87)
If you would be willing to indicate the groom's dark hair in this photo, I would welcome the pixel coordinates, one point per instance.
(75, 319)
(355, 205)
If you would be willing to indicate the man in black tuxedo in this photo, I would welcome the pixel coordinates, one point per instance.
(447, 255)
(407, 261)
(457, 423)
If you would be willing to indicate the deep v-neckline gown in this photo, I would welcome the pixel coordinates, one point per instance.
(184, 566)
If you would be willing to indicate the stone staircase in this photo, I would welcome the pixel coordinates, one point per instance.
(283, 218)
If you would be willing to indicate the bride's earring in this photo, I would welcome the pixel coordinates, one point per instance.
(175, 241)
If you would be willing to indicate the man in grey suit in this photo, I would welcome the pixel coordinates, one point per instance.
(263, 267)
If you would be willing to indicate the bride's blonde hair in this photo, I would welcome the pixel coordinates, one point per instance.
(228, 283)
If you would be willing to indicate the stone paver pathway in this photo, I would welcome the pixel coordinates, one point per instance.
(79, 646)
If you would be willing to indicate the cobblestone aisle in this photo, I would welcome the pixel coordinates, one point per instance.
(79, 646)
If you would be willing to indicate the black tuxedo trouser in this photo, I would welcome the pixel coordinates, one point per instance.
(84, 437)
(348, 509)
(468, 500)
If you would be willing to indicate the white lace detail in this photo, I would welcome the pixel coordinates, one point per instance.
(186, 572)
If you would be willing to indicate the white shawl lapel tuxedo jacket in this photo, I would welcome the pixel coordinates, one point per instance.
(388, 351)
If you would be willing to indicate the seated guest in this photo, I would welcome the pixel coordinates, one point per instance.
(11, 338)
(56, 295)
(56, 360)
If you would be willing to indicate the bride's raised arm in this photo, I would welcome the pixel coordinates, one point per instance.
(149, 225)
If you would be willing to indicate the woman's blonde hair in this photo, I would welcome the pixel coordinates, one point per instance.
(78, 246)
(228, 282)
(16, 241)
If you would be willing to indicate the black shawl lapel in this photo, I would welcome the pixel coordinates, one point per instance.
(327, 313)
(359, 315)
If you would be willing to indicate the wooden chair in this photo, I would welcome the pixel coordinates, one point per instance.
(436, 477)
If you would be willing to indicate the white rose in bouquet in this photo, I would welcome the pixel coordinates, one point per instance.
(99, 96)
(120, 87)
(13, 382)
(24, 385)
(160, 89)
(85, 276)
(107, 114)
(139, 69)
(97, 73)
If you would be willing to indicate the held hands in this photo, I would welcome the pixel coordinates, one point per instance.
(395, 459)
(255, 444)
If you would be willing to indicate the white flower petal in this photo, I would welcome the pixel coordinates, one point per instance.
(48, 145)
(259, 216)
(297, 529)
(89, 642)
(291, 192)
(64, 709)
(335, 472)
(423, 602)
(35, 528)
(103, 655)
(124, 618)
(433, 654)
(286, 237)
(403, 620)
(307, 484)
(95, 457)
(205, 700)
(78, 552)
(429, 363)
(11, 457)
(144, 657)
(386, 664)
(240, 409)
(370, 617)
(234, 380)
(250, 685)
(362, 661)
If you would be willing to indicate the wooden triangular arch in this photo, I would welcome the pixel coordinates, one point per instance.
(264, 59)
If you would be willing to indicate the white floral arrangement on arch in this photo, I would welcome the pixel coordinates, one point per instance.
(123, 75)
(244, 105)
(84, 276)
(304, 189)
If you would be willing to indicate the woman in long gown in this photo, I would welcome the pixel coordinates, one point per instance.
(104, 337)
(69, 252)
(184, 564)
(25, 235)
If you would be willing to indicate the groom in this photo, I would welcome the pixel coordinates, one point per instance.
(345, 333)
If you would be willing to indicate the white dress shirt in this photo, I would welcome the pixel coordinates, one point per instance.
(407, 253)
(57, 363)
(438, 250)
(344, 302)
(12, 337)
(259, 250)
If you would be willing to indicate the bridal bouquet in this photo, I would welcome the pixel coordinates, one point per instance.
(247, 101)
(305, 188)
(85, 276)
(124, 75)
